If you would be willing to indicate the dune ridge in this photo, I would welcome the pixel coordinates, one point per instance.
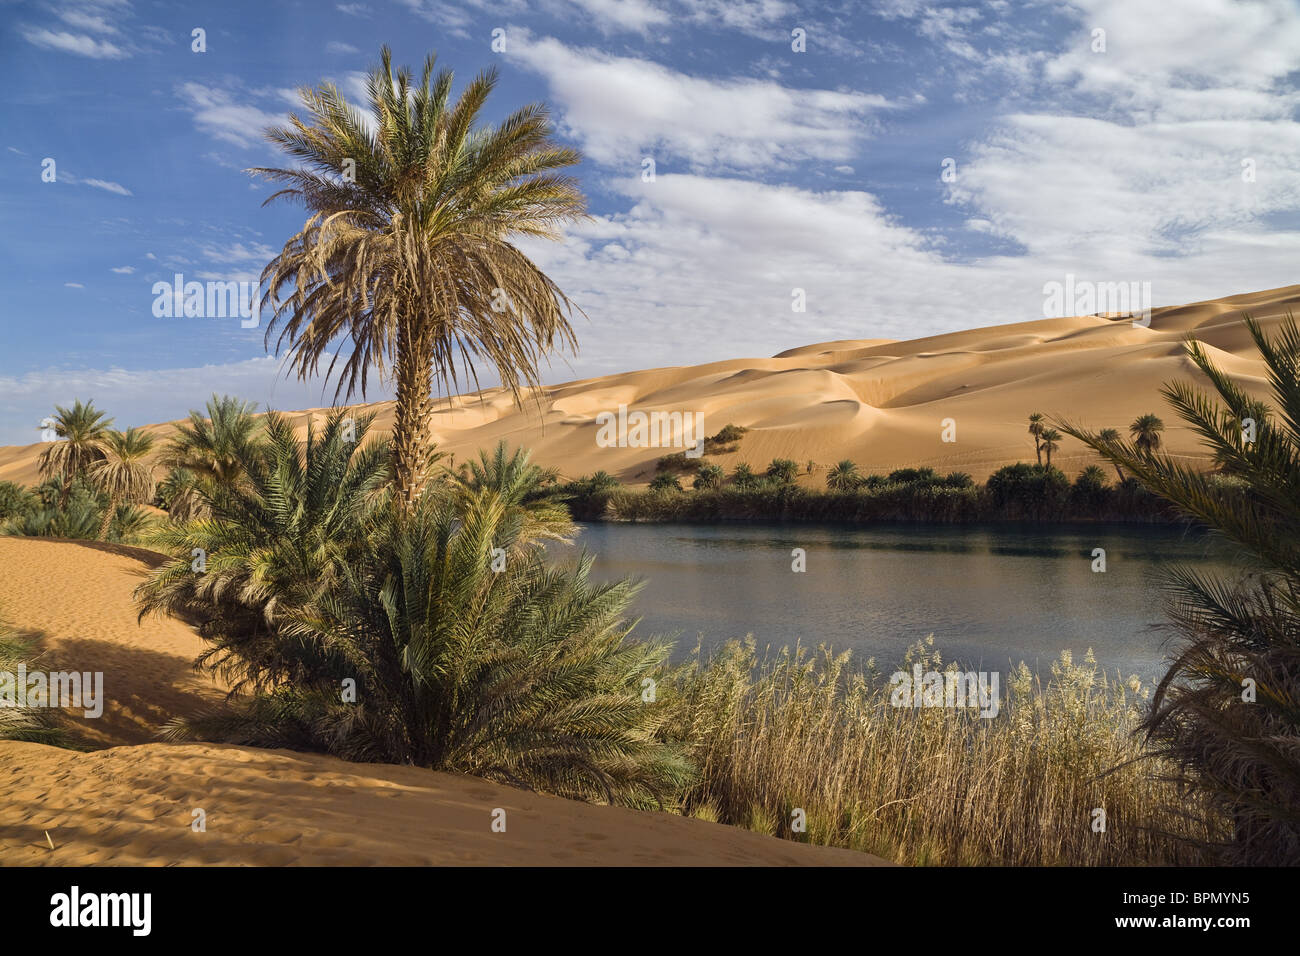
(878, 402)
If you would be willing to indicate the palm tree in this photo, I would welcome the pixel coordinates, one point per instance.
(709, 476)
(1237, 749)
(782, 470)
(525, 677)
(123, 474)
(83, 430)
(527, 491)
(1110, 436)
(665, 482)
(209, 453)
(1036, 428)
(743, 477)
(843, 477)
(1146, 431)
(407, 256)
(278, 541)
(1050, 440)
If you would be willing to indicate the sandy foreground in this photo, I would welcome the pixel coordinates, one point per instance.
(877, 402)
(134, 804)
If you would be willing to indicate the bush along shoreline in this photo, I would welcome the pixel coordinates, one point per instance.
(1015, 493)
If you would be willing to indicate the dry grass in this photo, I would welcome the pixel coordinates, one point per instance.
(929, 786)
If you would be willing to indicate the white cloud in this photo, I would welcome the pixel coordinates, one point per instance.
(85, 20)
(622, 109)
(354, 9)
(124, 270)
(74, 285)
(334, 46)
(218, 114)
(107, 186)
(77, 43)
(1165, 61)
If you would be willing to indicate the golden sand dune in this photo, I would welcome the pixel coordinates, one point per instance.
(135, 806)
(73, 598)
(877, 402)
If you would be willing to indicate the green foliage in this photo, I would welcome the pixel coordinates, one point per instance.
(677, 462)
(783, 470)
(665, 483)
(15, 500)
(524, 676)
(708, 476)
(1029, 491)
(276, 543)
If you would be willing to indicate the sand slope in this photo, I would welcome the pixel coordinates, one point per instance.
(880, 403)
(134, 806)
(74, 599)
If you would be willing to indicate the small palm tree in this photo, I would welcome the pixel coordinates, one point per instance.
(743, 477)
(709, 476)
(1110, 436)
(280, 540)
(527, 490)
(1037, 424)
(665, 483)
(1146, 431)
(208, 454)
(123, 474)
(843, 476)
(782, 470)
(81, 430)
(408, 255)
(524, 675)
(1050, 441)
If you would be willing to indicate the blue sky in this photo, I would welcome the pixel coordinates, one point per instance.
(775, 169)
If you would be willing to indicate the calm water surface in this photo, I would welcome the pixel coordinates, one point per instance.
(990, 595)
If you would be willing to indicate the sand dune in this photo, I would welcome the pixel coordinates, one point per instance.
(135, 806)
(74, 599)
(878, 402)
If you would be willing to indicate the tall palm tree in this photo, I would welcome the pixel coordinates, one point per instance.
(407, 258)
(123, 474)
(1050, 440)
(843, 477)
(82, 430)
(1146, 431)
(1110, 436)
(1225, 713)
(1036, 427)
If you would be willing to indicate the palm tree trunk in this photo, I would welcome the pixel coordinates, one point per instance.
(1038, 450)
(108, 519)
(1120, 473)
(411, 431)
